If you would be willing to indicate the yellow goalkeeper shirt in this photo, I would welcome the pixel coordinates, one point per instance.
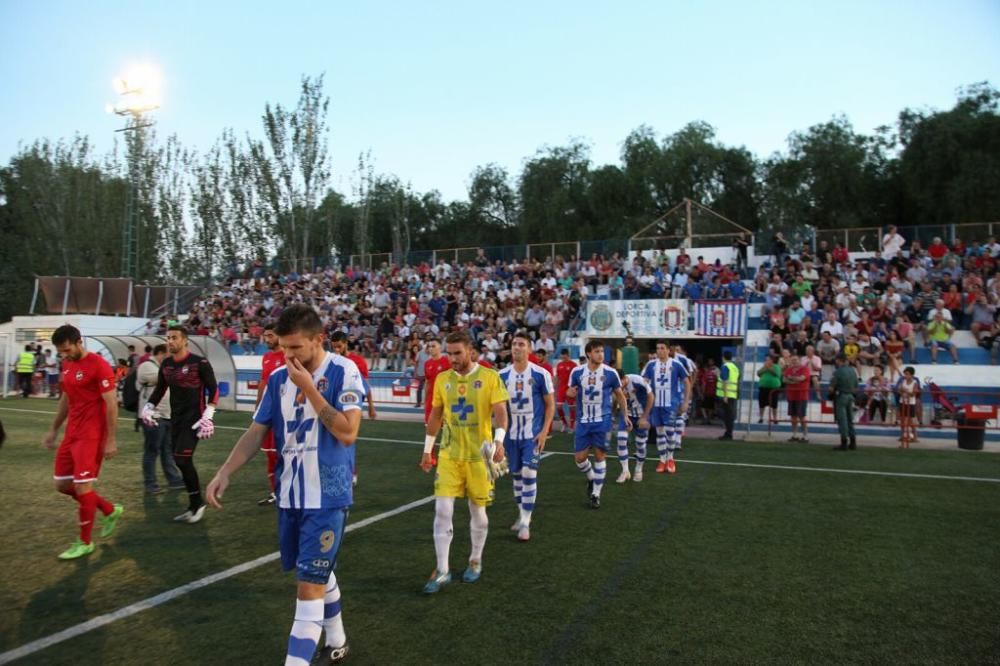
(467, 407)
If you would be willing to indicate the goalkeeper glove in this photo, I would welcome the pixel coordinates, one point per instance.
(147, 415)
(494, 470)
(204, 425)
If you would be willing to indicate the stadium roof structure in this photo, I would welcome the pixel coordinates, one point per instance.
(110, 296)
(687, 221)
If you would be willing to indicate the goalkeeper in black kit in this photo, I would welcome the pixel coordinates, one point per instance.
(194, 394)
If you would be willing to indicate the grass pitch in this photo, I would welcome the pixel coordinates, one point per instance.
(719, 563)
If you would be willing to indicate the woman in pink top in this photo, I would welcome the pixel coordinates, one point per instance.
(904, 329)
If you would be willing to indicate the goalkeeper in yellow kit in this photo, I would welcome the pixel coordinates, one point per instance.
(465, 398)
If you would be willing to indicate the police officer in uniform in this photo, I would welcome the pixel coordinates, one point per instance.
(842, 389)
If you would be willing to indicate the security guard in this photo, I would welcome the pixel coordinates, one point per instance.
(25, 369)
(842, 388)
(727, 388)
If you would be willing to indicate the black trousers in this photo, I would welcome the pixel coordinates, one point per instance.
(728, 409)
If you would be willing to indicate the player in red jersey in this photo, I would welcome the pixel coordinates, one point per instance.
(90, 402)
(543, 362)
(477, 357)
(273, 359)
(563, 369)
(434, 366)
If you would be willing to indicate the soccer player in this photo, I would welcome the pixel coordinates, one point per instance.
(664, 374)
(531, 410)
(639, 396)
(434, 366)
(340, 345)
(464, 398)
(565, 409)
(592, 386)
(313, 407)
(88, 404)
(273, 359)
(680, 425)
(193, 396)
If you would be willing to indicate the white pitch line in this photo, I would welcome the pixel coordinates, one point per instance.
(169, 595)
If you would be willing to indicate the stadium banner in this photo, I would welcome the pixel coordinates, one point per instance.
(725, 319)
(647, 318)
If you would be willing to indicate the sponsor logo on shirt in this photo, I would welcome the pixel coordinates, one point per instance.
(350, 398)
(79, 375)
(105, 383)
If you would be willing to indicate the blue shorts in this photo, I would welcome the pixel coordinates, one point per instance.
(943, 344)
(309, 540)
(520, 452)
(591, 434)
(634, 418)
(662, 416)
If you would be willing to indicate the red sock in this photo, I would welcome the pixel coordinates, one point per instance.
(272, 462)
(104, 505)
(87, 511)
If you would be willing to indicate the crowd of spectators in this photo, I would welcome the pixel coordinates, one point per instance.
(879, 311)
(387, 312)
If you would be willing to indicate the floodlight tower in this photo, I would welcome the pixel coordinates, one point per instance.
(138, 92)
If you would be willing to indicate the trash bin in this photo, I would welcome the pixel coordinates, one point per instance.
(971, 432)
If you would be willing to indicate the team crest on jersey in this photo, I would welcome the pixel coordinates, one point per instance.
(592, 380)
(447, 387)
(79, 375)
(322, 385)
(519, 385)
(349, 398)
(184, 370)
(477, 384)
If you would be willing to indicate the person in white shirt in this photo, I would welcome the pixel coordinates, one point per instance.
(892, 243)
(832, 326)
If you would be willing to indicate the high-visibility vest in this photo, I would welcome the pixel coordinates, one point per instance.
(25, 363)
(728, 388)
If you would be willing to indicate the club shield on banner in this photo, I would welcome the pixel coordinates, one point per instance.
(720, 318)
(648, 318)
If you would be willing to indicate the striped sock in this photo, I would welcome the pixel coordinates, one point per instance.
(586, 468)
(600, 470)
(518, 487)
(306, 630)
(661, 443)
(640, 447)
(529, 495)
(623, 448)
(333, 620)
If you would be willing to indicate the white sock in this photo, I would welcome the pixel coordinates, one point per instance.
(306, 630)
(444, 508)
(479, 525)
(586, 468)
(333, 619)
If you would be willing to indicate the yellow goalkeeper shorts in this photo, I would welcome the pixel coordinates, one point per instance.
(460, 478)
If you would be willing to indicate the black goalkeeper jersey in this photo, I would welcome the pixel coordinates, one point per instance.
(192, 384)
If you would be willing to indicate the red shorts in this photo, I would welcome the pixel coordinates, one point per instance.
(268, 443)
(561, 396)
(78, 459)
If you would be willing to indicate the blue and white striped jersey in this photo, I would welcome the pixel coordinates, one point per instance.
(594, 389)
(679, 389)
(314, 469)
(636, 391)
(664, 376)
(527, 391)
